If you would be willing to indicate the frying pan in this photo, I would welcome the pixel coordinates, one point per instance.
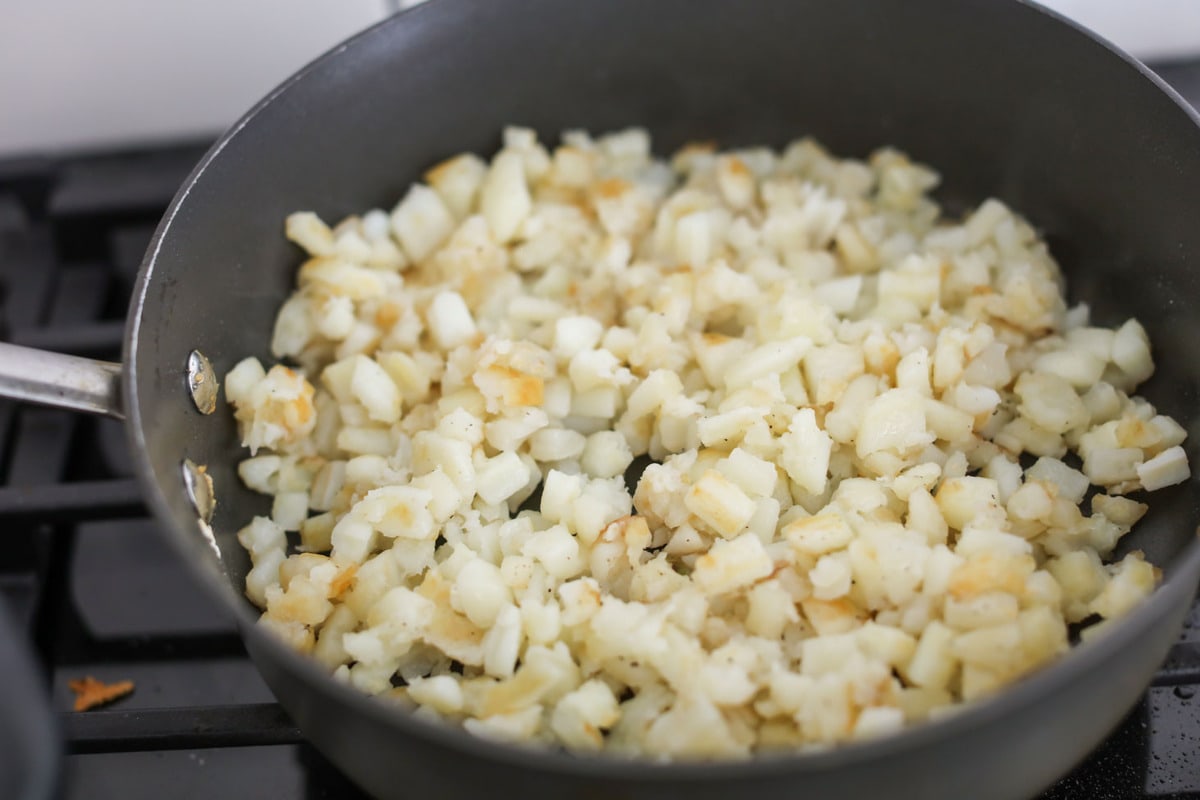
(1002, 97)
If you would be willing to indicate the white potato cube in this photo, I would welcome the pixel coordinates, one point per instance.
(1068, 481)
(443, 693)
(556, 550)
(501, 477)
(606, 454)
(878, 721)
(421, 222)
(504, 197)
(450, 320)
(720, 504)
(290, 509)
(830, 578)
(829, 369)
(1131, 352)
(818, 535)
(1166, 469)
(261, 473)
(559, 493)
(805, 452)
(770, 358)
(963, 499)
(479, 592)
(727, 428)
(1080, 368)
(457, 180)
(244, 376)
(556, 444)
(754, 475)
(502, 643)
(353, 539)
(573, 335)
(597, 369)
(373, 387)
(307, 230)
(582, 715)
(732, 564)
(840, 294)
(1106, 466)
(933, 663)
(1050, 402)
(659, 387)
(894, 421)
(397, 511)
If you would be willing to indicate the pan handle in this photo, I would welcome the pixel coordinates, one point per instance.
(61, 381)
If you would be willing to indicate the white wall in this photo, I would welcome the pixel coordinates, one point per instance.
(1150, 29)
(90, 73)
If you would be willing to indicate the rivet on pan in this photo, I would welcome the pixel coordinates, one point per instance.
(199, 488)
(202, 382)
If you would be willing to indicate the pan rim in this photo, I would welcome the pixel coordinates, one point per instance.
(1185, 569)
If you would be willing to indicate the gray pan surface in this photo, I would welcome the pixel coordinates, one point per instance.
(1001, 97)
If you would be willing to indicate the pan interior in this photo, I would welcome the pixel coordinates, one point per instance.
(1000, 98)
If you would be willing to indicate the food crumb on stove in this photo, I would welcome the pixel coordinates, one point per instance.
(92, 693)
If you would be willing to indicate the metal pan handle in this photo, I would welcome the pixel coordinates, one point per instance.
(61, 381)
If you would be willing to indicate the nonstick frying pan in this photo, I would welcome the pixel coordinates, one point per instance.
(1002, 97)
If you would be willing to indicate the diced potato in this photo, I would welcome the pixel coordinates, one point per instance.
(501, 477)
(818, 535)
(1080, 368)
(290, 509)
(450, 320)
(1132, 581)
(240, 380)
(830, 578)
(755, 476)
(838, 390)
(1131, 352)
(925, 516)
(933, 663)
(504, 197)
(307, 230)
(1113, 465)
(1120, 510)
(457, 180)
(732, 564)
(1067, 482)
(421, 222)
(1033, 501)
(963, 499)
(1166, 469)
(582, 715)
(1050, 402)
(1082, 577)
(806, 451)
(894, 421)
(606, 454)
(397, 511)
(766, 359)
(373, 387)
(829, 369)
(479, 592)
(720, 504)
(556, 444)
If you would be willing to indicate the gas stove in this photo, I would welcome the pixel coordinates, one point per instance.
(93, 589)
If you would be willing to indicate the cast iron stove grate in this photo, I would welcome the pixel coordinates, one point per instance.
(98, 592)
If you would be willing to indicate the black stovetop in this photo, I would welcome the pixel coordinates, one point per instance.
(96, 591)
